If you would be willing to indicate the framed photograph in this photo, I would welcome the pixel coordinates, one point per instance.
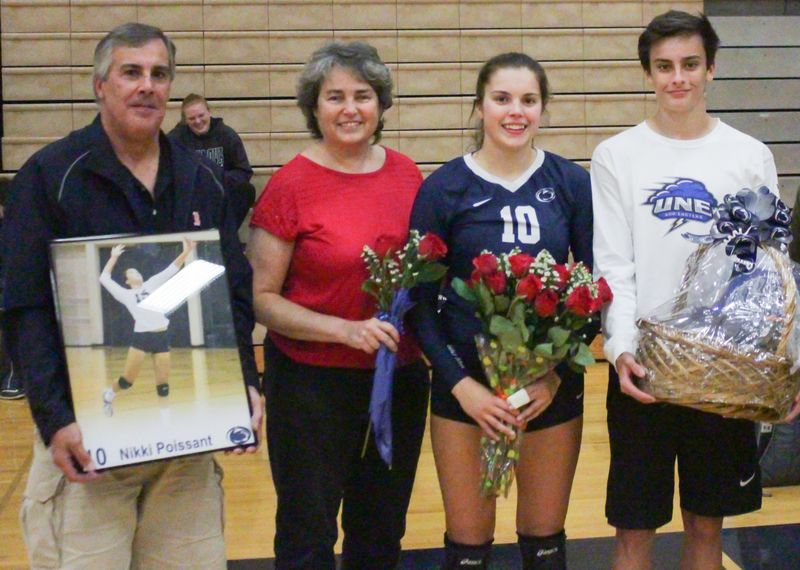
(151, 352)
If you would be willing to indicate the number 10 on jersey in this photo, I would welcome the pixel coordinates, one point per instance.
(522, 227)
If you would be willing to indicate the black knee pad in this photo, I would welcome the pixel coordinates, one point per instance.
(162, 389)
(543, 552)
(123, 383)
(466, 556)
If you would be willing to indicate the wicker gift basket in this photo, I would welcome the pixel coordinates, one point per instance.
(728, 341)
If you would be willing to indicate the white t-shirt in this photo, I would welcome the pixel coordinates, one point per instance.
(647, 190)
(144, 320)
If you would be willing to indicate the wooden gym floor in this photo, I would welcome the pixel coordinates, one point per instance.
(250, 499)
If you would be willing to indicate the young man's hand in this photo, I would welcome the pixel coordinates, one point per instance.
(627, 367)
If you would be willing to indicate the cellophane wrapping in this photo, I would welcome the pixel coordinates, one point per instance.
(727, 342)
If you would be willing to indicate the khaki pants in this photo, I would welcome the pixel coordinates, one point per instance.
(160, 515)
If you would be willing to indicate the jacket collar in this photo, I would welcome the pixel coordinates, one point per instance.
(103, 161)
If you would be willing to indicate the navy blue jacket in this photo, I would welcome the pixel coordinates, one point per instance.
(77, 187)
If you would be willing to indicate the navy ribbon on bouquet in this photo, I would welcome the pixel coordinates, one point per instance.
(747, 220)
(380, 403)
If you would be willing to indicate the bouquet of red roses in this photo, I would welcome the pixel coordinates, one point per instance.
(391, 277)
(533, 312)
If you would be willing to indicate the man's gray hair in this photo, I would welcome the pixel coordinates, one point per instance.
(129, 35)
(358, 57)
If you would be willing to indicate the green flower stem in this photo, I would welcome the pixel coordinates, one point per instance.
(507, 373)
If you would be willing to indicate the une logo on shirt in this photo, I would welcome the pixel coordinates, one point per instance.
(682, 200)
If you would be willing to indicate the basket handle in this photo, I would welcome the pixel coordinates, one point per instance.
(784, 266)
(692, 264)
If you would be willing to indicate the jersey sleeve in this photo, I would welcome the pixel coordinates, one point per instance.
(160, 278)
(115, 289)
(581, 231)
(614, 255)
(582, 219)
(429, 214)
(276, 209)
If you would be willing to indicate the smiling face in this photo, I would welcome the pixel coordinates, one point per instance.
(679, 74)
(511, 109)
(198, 118)
(347, 109)
(133, 98)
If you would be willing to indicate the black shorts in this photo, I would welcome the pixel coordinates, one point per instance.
(717, 462)
(153, 342)
(567, 404)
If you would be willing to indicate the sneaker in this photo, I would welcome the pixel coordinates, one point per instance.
(163, 390)
(108, 397)
(12, 393)
(11, 386)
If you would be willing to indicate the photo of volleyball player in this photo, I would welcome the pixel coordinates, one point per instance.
(150, 329)
(126, 301)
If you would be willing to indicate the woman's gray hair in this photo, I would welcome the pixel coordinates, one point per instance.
(129, 35)
(358, 57)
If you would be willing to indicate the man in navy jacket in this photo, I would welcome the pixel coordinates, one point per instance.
(120, 174)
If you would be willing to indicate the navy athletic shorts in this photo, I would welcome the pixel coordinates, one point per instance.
(717, 462)
(567, 404)
(153, 342)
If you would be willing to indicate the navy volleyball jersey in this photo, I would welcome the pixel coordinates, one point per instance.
(548, 207)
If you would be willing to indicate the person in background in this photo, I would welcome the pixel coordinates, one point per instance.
(218, 142)
(507, 194)
(10, 383)
(120, 174)
(309, 228)
(640, 180)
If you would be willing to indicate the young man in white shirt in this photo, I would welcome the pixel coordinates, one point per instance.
(650, 184)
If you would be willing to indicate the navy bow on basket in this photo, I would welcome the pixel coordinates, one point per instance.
(746, 220)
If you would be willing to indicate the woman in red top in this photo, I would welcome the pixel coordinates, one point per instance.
(308, 231)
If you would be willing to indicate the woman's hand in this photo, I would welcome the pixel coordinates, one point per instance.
(494, 415)
(369, 335)
(541, 392)
(117, 250)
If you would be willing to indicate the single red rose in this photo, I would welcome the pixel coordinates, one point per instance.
(485, 263)
(474, 278)
(604, 291)
(520, 264)
(496, 282)
(546, 303)
(580, 301)
(529, 287)
(431, 247)
(563, 275)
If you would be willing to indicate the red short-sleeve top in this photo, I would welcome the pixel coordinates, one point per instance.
(330, 216)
